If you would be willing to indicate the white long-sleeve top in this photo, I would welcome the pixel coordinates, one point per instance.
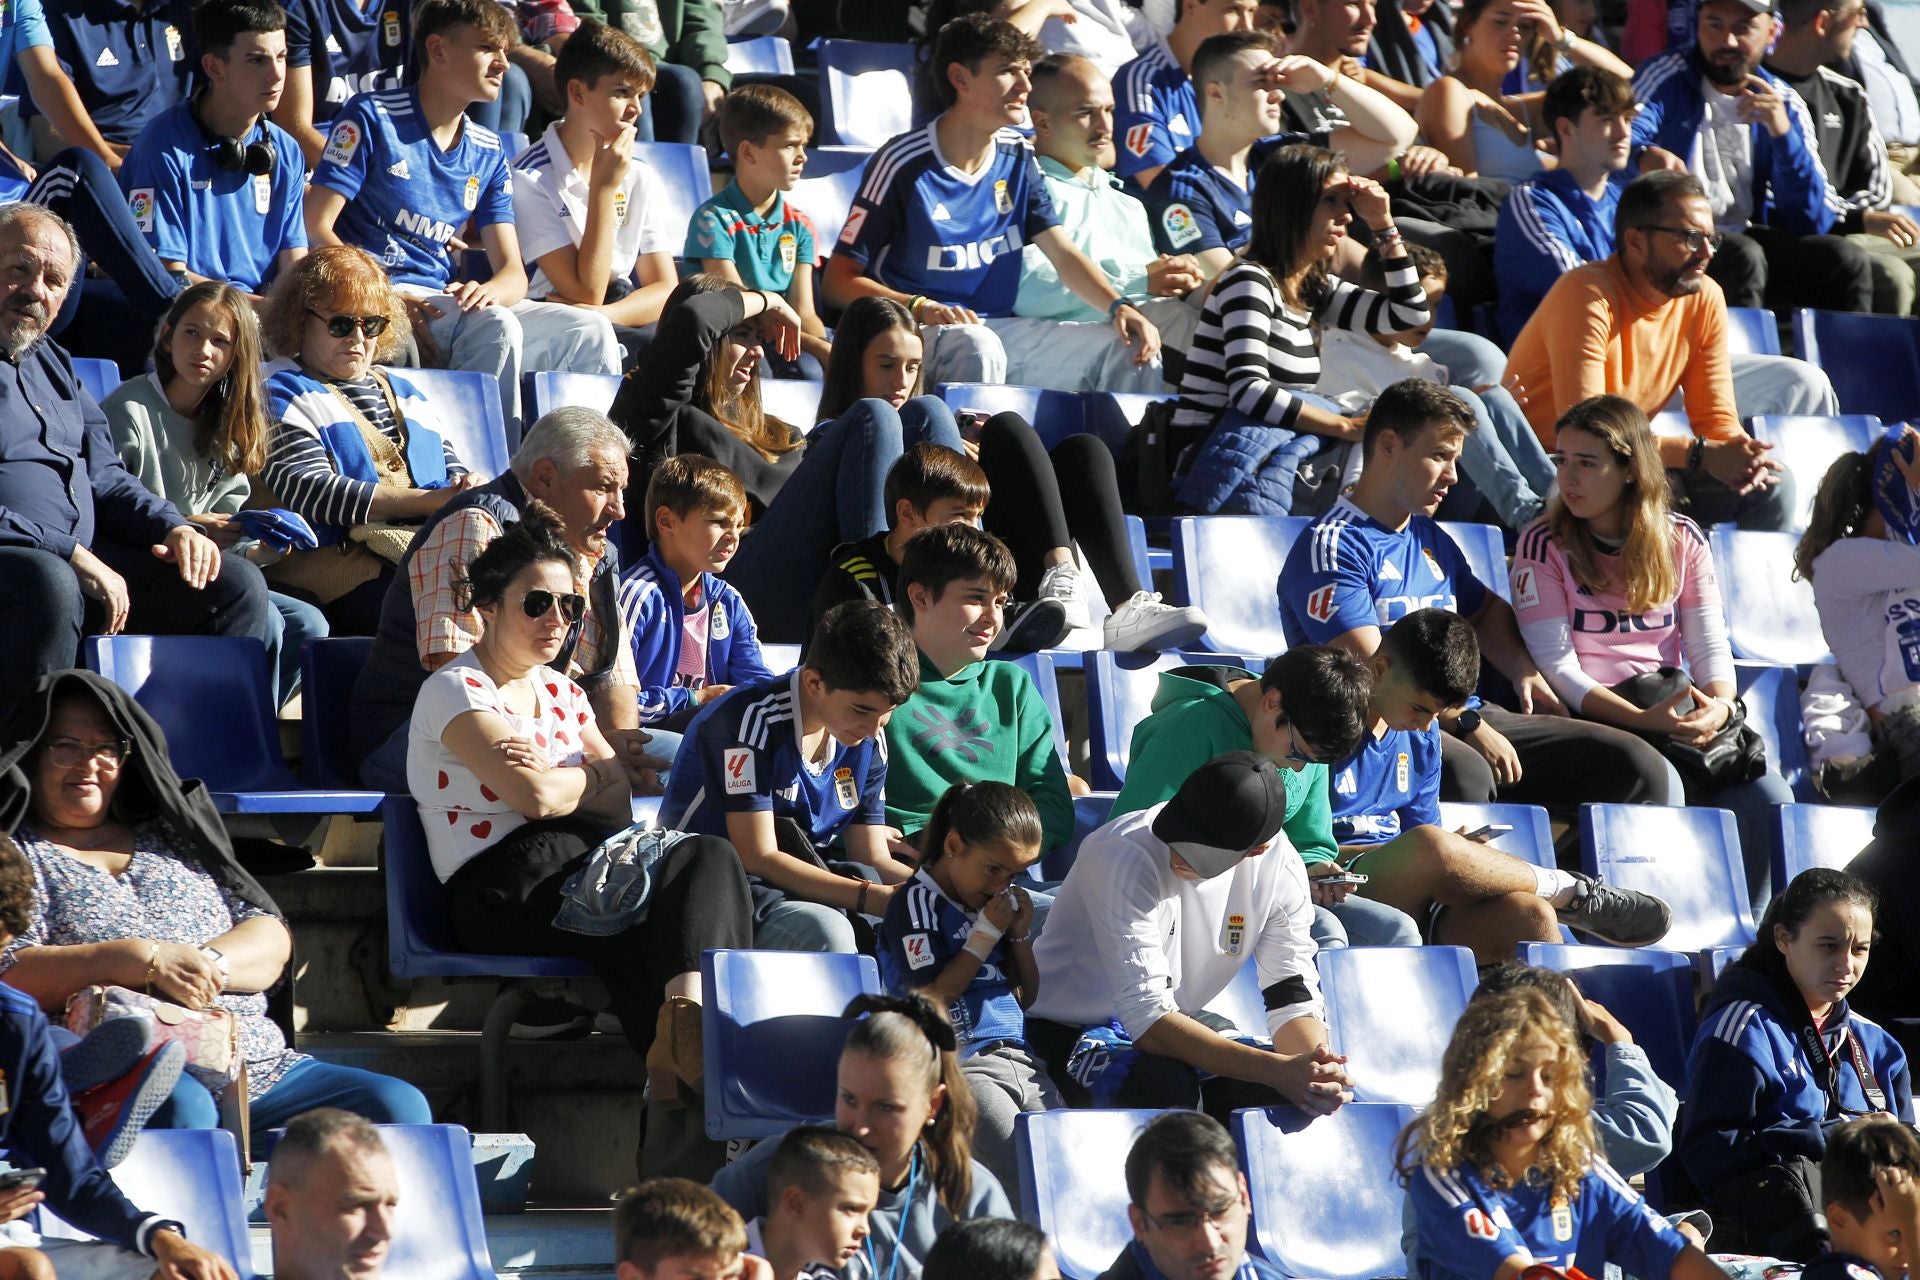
(1127, 939)
(1868, 593)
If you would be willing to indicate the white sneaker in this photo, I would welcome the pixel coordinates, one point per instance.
(1063, 582)
(1145, 625)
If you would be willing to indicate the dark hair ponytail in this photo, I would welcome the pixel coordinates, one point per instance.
(916, 1028)
(983, 813)
(1791, 909)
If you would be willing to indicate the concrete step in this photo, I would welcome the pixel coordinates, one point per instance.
(547, 1244)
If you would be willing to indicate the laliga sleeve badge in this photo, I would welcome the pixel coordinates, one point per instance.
(736, 768)
(1177, 221)
(1002, 198)
(789, 251)
(140, 201)
(717, 626)
(471, 198)
(1233, 939)
(262, 192)
(1562, 1220)
(844, 789)
(919, 950)
(390, 28)
(341, 143)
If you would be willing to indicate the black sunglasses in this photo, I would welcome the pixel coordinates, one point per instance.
(342, 326)
(538, 601)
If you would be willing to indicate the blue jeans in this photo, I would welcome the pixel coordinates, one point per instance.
(308, 1084)
(781, 923)
(1503, 458)
(837, 494)
(1361, 922)
(294, 622)
(676, 108)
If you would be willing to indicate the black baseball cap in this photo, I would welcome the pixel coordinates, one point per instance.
(1230, 805)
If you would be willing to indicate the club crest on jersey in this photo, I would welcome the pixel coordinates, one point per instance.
(471, 196)
(140, 200)
(1433, 563)
(1002, 198)
(620, 208)
(919, 950)
(1233, 939)
(175, 51)
(262, 192)
(1562, 1220)
(717, 625)
(1177, 221)
(1139, 138)
(843, 789)
(736, 765)
(1525, 593)
(1402, 772)
(342, 143)
(1320, 604)
(390, 28)
(789, 251)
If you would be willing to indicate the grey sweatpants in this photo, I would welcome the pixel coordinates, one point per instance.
(1006, 1080)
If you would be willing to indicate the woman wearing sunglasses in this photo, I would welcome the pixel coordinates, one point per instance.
(517, 789)
(353, 448)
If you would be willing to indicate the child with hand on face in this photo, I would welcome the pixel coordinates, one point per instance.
(1868, 1178)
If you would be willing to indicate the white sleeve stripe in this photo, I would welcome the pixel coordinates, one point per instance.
(1533, 228)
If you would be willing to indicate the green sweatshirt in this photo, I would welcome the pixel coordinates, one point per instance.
(1195, 719)
(984, 723)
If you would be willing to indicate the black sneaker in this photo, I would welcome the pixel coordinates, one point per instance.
(1030, 628)
(1624, 917)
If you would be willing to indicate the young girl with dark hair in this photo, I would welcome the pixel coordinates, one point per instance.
(961, 930)
(1780, 1057)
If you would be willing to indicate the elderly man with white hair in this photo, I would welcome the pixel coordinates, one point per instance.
(84, 546)
(575, 461)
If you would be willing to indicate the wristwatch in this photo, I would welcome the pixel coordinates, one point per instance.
(221, 963)
(1468, 721)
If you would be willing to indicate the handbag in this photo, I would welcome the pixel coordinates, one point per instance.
(1735, 754)
(385, 538)
(210, 1036)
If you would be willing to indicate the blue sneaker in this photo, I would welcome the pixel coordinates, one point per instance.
(114, 1113)
(108, 1052)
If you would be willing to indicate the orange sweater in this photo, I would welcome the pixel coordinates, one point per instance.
(1594, 335)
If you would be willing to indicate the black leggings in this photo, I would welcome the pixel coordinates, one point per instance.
(1044, 500)
(504, 901)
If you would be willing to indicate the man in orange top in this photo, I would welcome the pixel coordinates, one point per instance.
(1646, 322)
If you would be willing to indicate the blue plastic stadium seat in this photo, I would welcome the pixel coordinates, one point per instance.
(780, 657)
(866, 89)
(1816, 835)
(1230, 567)
(1053, 415)
(98, 376)
(1040, 667)
(1391, 1010)
(1531, 839)
(1120, 690)
(1752, 331)
(792, 400)
(1672, 422)
(1873, 361)
(546, 391)
(686, 178)
(1770, 615)
(1689, 858)
(1111, 415)
(760, 55)
(1089, 815)
(826, 189)
(1808, 446)
(438, 1232)
(1073, 1182)
(1241, 1003)
(328, 668)
(191, 1176)
(1486, 552)
(179, 680)
(468, 406)
(773, 1031)
(1649, 990)
(1326, 1199)
(1772, 697)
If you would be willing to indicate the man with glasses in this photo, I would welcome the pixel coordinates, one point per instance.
(1816, 35)
(1646, 322)
(1309, 706)
(84, 546)
(1188, 1205)
(1748, 139)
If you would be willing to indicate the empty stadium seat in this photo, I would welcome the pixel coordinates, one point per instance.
(1326, 1199)
(468, 409)
(1649, 990)
(772, 1030)
(179, 681)
(1807, 446)
(328, 668)
(1242, 1004)
(1053, 415)
(1817, 835)
(1752, 331)
(1770, 615)
(760, 55)
(1391, 1010)
(686, 180)
(1120, 691)
(1089, 815)
(866, 90)
(1772, 698)
(1872, 361)
(1689, 858)
(438, 1233)
(191, 1176)
(98, 376)
(794, 401)
(1230, 567)
(1672, 422)
(1485, 549)
(826, 189)
(547, 390)
(1073, 1182)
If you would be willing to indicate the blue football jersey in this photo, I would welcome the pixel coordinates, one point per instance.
(922, 930)
(1391, 785)
(406, 198)
(352, 47)
(742, 754)
(1467, 1229)
(1156, 114)
(127, 63)
(1348, 570)
(1196, 207)
(921, 226)
(225, 224)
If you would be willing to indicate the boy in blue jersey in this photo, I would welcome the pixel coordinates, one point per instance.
(404, 171)
(336, 49)
(1378, 555)
(1156, 113)
(1386, 817)
(128, 62)
(943, 213)
(26, 50)
(1870, 1181)
(803, 751)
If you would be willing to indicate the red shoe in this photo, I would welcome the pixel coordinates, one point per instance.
(114, 1113)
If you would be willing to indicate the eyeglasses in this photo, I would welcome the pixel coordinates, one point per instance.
(1294, 754)
(1691, 240)
(1188, 1221)
(71, 753)
(538, 601)
(343, 326)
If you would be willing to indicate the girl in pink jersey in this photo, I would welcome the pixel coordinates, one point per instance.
(1611, 584)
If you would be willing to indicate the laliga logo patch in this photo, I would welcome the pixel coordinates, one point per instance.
(1139, 138)
(342, 143)
(850, 231)
(141, 201)
(1481, 1227)
(1320, 604)
(736, 765)
(1525, 594)
(919, 950)
(1179, 225)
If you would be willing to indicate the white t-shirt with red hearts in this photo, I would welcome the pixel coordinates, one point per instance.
(462, 817)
